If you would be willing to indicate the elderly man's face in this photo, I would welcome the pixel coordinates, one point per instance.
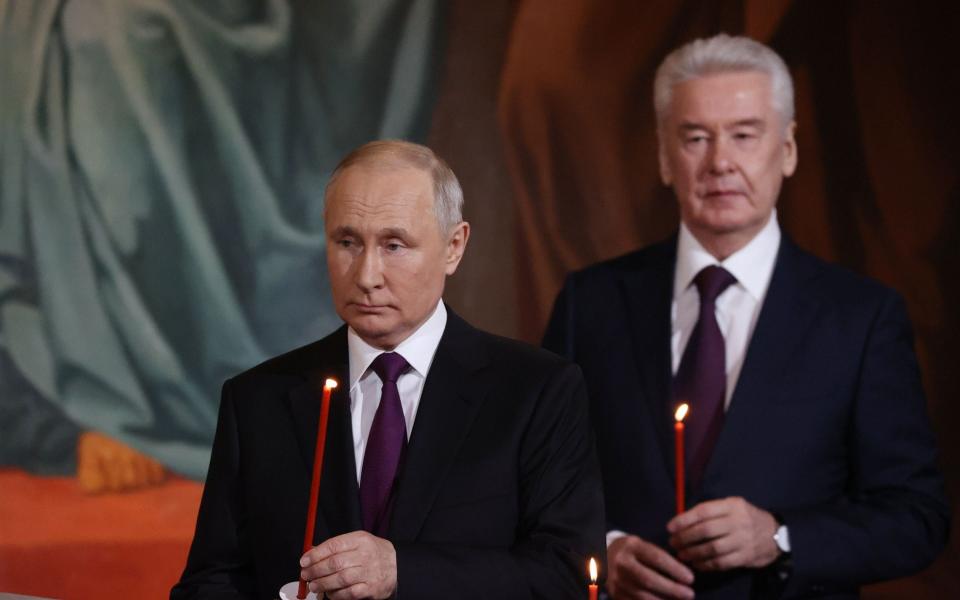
(725, 151)
(385, 252)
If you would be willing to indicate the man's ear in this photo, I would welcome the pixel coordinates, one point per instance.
(790, 157)
(665, 175)
(456, 245)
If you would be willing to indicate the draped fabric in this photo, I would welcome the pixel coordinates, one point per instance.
(162, 165)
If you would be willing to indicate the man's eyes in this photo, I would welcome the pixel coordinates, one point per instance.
(352, 244)
(696, 139)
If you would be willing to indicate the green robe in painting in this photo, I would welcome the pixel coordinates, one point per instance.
(162, 165)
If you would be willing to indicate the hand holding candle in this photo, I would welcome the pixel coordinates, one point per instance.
(679, 416)
(328, 386)
(593, 580)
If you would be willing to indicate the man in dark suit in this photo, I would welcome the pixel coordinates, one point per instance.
(810, 464)
(458, 464)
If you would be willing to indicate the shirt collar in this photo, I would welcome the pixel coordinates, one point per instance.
(752, 265)
(418, 349)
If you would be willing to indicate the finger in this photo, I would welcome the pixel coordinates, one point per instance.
(354, 592)
(723, 562)
(332, 564)
(155, 472)
(339, 580)
(140, 472)
(108, 467)
(702, 531)
(709, 549)
(710, 509)
(334, 545)
(657, 558)
(89, 475)
(127, 471)
(647, 579)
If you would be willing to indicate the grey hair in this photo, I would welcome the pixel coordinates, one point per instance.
(723, 54)
(447, 193)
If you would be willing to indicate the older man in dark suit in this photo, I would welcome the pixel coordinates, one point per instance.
(811, 467)
(458, 464)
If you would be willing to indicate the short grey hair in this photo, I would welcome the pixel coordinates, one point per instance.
(723, 54)
(447, 194)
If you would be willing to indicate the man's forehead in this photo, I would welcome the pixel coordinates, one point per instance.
(399, 205)
(390, 189)
(735, 96)
(376, 202)
(369, 173)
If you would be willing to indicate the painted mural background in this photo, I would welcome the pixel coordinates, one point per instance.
(161, 173)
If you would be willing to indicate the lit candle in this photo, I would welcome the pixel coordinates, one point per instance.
(678, 438)
(328, 386)
(593, 580)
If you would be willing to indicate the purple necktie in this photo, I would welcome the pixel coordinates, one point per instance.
(701, 379)
(385, 446)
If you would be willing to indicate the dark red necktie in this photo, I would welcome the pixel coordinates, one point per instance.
(701, 379)
(385, 446)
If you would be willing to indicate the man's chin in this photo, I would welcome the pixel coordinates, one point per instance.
(730, 220)
(375, 330)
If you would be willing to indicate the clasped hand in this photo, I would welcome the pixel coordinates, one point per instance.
(712, 536)
(351, 566)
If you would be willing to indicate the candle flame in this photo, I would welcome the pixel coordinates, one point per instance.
(681, 413)
(329, 384)
(593, 570)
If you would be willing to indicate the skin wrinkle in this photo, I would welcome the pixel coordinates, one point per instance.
(388, 262)
(719, 137)
(724, 149)
(387, 257)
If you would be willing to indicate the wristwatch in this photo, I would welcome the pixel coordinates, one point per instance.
(782, 539)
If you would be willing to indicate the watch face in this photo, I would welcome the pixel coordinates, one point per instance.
(782, 539)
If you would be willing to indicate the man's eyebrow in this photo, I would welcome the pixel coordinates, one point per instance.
(749, 122)
(398, 232)
(752, 122)
(343, 231)
(386, 232)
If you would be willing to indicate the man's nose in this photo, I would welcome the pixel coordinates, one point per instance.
(719, 159)
(370, 269)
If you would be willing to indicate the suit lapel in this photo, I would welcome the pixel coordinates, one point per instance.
(339, 494)
(451, 397)
(649, 293)
(784, 320)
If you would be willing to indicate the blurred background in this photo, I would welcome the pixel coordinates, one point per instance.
(162, 164)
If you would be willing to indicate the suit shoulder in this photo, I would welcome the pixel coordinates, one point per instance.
(655, 255)
(513, 358)
(845, 285)
(504, 349)
(298, 361)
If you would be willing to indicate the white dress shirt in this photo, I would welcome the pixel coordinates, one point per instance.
(737, 308)
(418, 350)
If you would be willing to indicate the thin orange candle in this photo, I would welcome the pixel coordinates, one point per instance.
(679, 416)
(593, 580)
(328, 386)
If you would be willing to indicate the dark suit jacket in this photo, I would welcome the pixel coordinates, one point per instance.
(827, 426)
(499, 496)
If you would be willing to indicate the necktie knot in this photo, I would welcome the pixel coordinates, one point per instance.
(389, 366)
(711, 281)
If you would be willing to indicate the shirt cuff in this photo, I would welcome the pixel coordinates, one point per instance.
(613, 535)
